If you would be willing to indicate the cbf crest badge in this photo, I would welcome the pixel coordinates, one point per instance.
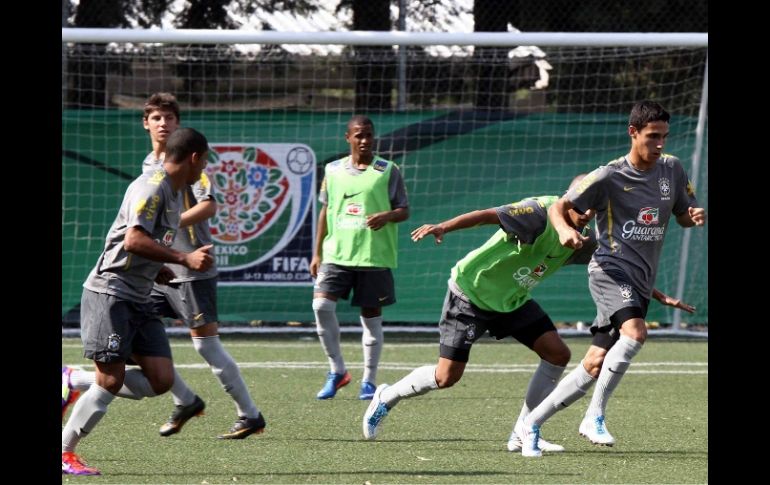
(665, 187)
(626, 292)
(113, 342)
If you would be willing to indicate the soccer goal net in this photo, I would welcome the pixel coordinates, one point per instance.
(473, 121)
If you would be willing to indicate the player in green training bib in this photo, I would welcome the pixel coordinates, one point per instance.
(363, 197)
(489, 290)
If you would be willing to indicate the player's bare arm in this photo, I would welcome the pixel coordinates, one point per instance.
(378, 220)
(321, 230)
(669, 301)
(139, 242)
(568, 236)
(198, 213)
(463, 221)
(695, 216)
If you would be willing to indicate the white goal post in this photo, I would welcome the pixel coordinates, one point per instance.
(474, 120)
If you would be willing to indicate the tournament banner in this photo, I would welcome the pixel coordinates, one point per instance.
(265, 221)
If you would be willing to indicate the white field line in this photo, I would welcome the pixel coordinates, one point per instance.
(491, 368)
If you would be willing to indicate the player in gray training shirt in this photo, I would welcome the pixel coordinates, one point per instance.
(634, 197)
(192, 295)
(116, 320)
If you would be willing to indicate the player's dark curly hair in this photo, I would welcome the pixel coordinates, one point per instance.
(645, 112)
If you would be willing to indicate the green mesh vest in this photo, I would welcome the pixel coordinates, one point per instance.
(351, 198)
(499, 275)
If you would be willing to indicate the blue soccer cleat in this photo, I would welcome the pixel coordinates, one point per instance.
(367, 391)
(333, 383)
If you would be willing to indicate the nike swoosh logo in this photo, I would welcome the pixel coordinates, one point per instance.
(346, 196)
(628, 189)
(383, 298)
(198, 316)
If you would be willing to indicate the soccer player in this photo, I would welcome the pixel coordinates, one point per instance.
(191, 295)
(363, 197)
(489, 290)
(634, 198)
(117, 322)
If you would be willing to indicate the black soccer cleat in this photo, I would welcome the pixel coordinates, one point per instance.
(245, 427)
(181, 415)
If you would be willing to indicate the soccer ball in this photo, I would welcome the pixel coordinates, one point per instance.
(299, 160)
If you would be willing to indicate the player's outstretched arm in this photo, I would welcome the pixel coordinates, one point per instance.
(197, 213)
(463, 221)
(669, 301)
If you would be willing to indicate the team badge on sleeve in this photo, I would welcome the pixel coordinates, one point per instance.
(690, 189)
(380, 165)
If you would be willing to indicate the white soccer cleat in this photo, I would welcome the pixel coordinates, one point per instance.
(595, 429)
(514, 442)
(530, 437)
(375, 413)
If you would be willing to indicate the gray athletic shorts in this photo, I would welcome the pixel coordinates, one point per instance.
(372, 287)
(616, 301)
(195, 302)
(462, 323)
(112, 329)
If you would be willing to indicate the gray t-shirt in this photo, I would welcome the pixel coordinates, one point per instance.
(535, 221)
(396, 188)
(151, 204)
(632, 214)
(188, 238)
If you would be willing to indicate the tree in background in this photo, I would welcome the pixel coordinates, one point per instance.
(492, 62)
(373, 66)
(89, 64)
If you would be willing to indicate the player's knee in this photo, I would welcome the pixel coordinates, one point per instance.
(324, 305)
(448, 379)
(111, 384)
(161, 381)
(592, 363)
(370, 340)
(559, 356)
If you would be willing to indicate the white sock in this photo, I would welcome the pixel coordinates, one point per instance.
(86, 413)
(542, 382)
(181, 392)
(418, 382)
(371, 341)
(135, 385)
(82, 379)
(616, 362)
(570, 389)
(328, 329)
(225, 369)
